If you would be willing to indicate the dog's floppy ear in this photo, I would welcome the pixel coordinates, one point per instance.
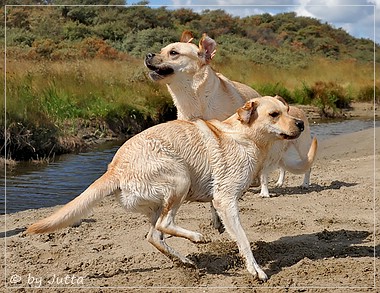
(282, 100)
(207, 48)
(246, 112)
(186, 37)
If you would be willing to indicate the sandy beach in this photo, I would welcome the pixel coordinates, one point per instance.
(315, 240)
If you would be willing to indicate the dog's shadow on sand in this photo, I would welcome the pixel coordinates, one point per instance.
(223, 257)
(18, 231)
(12, 232)
(298, 190)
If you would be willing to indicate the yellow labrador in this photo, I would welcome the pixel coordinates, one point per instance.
(157, 170)
(197, 90)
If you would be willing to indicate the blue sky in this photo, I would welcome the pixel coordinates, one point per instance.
(357, 17)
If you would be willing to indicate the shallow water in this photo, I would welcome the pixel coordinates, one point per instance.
(35, 186)
(326, 129)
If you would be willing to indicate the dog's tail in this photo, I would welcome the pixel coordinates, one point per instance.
(79, 207)
(302, 166)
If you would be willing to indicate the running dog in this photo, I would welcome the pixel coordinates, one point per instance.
(157, 170)
(200, 92)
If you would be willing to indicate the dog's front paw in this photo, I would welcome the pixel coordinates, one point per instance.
(258, 273)
(184, 261)
(262, 276)
(199, 238)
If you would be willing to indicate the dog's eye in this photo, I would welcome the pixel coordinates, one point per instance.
(274, 114)
(173, 53)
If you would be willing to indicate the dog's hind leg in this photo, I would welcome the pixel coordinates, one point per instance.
(302, 146)
(156, 238)
(166, 224)
(281, 177)
(179, 188)
(306, 179)
(264, 185)
(302, 152)
(229, 212)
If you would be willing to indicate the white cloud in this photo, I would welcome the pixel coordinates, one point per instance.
(234, 2)
(357, 17)
(338, 10)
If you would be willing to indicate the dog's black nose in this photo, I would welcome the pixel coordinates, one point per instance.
(149, 56)
(300, 124)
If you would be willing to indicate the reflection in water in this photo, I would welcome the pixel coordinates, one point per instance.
(30, 186)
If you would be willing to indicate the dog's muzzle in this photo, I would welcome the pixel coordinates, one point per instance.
(158, 71)
(300, 125)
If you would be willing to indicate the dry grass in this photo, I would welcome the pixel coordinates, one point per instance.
(349, 74)
(85, 89)
(56, 91)
(39, 90)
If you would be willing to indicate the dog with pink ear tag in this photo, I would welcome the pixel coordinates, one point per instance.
(197, 90)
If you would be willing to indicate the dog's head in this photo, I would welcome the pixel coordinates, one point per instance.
(179, 58)
(270, 116)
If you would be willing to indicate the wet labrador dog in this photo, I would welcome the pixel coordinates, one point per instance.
(157, 170)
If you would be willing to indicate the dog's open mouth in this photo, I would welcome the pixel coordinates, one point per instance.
(286, 136)
(159, 72)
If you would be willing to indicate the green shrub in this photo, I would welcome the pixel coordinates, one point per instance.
(329, 96)
(58, 105)
(149, 40)
(20, 37)
(302, 95)
(270, 89)
(74, 31)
